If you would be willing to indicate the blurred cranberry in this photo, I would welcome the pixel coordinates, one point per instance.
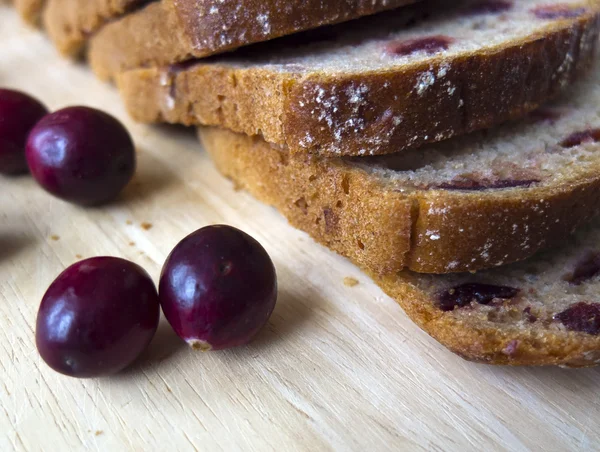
(81, 155)
(19, 112)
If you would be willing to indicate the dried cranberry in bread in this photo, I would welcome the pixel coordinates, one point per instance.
(366, 91)
(171, 31)
(473, 202)
(70, 23)
(544, 311)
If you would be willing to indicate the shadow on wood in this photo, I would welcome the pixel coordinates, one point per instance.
(290, 314)
(12, 243)
(150, 178)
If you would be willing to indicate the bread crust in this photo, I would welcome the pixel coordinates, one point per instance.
(172, 31)
(382, 230)
(70, 23)
(286, 108)
(382, 221)
(30, 10)
(486, 344)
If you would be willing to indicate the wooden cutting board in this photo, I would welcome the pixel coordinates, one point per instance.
(337, 367)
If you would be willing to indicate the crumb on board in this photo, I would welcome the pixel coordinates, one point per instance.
(129, 222)
(131, 243)
(78, 256)
(146, 226)
(55, 237)
(350, 281)
(99, 432)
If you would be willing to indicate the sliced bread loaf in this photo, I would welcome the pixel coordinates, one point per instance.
(369, 88)
(171, 31)
(70, 23)
(544, 311)
(470, 203)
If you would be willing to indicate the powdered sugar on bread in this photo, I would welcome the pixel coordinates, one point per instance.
(184, 29)
(535, 151)
(544, 311)
(381, 84)
(475, 202)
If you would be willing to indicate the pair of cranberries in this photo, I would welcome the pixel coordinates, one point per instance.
(78, 154)
(217, 289)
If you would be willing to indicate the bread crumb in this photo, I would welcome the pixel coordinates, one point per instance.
(78, 256)
(55, 237)
(129, 222)
(131, 243)
(146, 226)
(350, 281)
(99, 432)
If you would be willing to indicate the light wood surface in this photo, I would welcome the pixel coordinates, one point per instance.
(337, 368)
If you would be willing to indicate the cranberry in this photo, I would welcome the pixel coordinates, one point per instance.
(583, 317)
(465, 294)
(579, 138)
(218, 288)
(429, 45)
(18, 114)
(97, 317)
(490, 7)
(473, 185)
(558, 11)
(81, 155)
(586, 269)
(529, 316)
(544, 115)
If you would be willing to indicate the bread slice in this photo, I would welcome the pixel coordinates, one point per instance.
(474, 202)
(70, 23)
(544, 311)
(171, 31)
(347, 96)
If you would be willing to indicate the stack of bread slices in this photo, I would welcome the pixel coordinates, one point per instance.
(450, 149)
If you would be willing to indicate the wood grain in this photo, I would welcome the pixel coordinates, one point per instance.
(337, 368)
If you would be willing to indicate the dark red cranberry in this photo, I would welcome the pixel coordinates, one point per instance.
(474, 185)
(583, 317)
(218, 288)
(97, 317)
(531, 318)
(511, 348)
(544, 115)
(579, 138)
(558, 11)
(585, 270)
(465, 294)
(428, 45)
(19, 112)
(489, 7)
(81, 155)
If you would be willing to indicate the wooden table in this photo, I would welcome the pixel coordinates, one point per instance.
(337, 367)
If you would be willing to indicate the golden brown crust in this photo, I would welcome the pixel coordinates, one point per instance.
(345, 210)
(487, 88)
(172, 31)
(381, 219)
(491, 345)
(30, 10)
(163, 36)
(70, 23)
(385, 231)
